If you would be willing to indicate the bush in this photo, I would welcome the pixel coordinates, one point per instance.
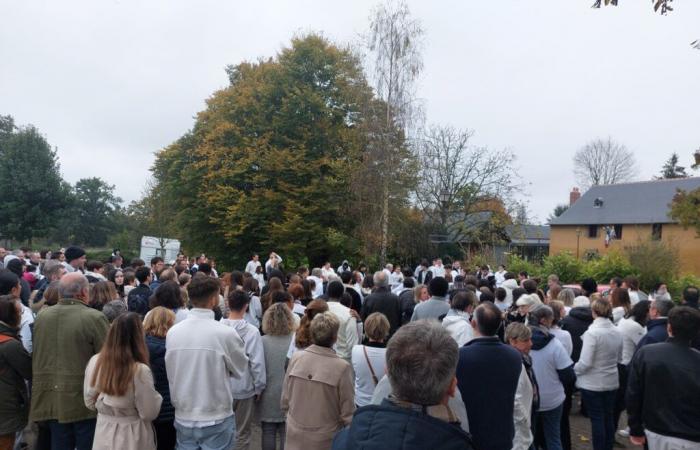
(565, 265)
(676, 286)
(516, 265)
(602, 269)
(653, 262)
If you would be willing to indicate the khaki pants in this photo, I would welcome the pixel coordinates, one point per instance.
(243, 410)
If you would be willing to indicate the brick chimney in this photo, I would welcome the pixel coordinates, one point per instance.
(574, 195)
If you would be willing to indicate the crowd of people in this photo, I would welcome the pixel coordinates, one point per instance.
(117, 355)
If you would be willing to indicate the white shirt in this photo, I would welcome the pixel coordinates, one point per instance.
(564, 337)
(25, 330)
(347, 334)
(458, 325)
(251, 266)
(545, 363)
(364, 384)
(634, 297)
(500, 278)
(318, 290)
(618, 314)
(631, 332)
(438, 271)
(596, 369)
(254, 313)
(327, 272)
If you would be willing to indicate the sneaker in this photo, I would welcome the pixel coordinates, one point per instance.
(625, 433)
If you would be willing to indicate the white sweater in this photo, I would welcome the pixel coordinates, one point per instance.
(596, 369)
(631, 332)
(347, 334)
(201, 354)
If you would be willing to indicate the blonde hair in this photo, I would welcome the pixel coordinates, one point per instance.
(158, 321)
(278, 320)
(517, 331)
(601, 308)
(324, 329)
(377, 327)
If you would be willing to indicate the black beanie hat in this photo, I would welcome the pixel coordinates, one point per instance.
(73, 252)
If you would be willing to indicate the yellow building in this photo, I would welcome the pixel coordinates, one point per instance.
(620, 215)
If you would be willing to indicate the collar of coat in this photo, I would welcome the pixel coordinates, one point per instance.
(71, 301)
(318, 350)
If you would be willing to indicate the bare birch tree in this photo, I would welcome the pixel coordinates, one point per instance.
(394, 43)
(457, 179)
(603, 161)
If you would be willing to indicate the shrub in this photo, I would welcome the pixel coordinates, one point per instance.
(676, 286)
(517, 264)
(613, 264)
(565, 265)
(653, 262)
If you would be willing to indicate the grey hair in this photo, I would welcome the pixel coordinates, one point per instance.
(380, 279)
(324, 329)
(421, 361)
(539, 313)
(567, 296)
(663, 306)
(50, 267)
(517, 331)
(316, 272)
(69, 289)
(334, 277)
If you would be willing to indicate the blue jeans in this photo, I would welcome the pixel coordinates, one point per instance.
(73, 435)
(550, 421)
(215, 437)
(601, 411)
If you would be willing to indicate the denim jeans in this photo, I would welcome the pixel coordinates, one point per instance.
(601, 411)
(269, 435)
(73, 435)
(215, 437)
(550, 421)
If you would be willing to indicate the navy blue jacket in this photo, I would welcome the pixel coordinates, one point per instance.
(156, 351)
(487, 377)
(389, 427)
(656, 333)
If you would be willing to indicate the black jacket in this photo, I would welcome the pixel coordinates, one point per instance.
(663, 391)
(383, 301)
(156, 353)
(137, 301)
(15, 369)
(407, 300)
(389, 427)
(576, 323)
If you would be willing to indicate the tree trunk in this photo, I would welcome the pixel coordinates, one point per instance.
(385, 224)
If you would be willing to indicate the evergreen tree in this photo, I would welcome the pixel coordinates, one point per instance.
(671, 169)
(95, 206)
(33, 192)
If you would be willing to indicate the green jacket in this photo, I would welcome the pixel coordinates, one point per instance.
(15, 368)
(65, 338)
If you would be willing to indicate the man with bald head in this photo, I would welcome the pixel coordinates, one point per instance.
(66, 336)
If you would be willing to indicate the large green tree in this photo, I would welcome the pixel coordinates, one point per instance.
(268, 163)
(33, 192)
(94, 207)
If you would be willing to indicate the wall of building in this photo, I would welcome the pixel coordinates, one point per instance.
(564, 238)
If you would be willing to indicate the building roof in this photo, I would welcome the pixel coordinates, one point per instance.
(528, 234)
(644, 202)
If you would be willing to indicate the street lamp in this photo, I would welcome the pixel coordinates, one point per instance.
(578, 241)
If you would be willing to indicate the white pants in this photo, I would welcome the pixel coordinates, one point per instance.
(660, 442)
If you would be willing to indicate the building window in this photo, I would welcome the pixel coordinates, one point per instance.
(592, 231)
(618, 231)
(656, 231)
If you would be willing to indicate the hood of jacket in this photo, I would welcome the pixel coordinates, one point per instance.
(582, 313)
(240, 325)
(455, 318)
(540, 338)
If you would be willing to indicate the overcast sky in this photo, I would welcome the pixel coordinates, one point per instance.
(111, 82)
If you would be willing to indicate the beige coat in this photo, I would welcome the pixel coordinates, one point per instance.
(319, 398)
(124, 422)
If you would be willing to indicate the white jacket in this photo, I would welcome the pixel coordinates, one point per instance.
(253, 380)
(458, 325)
(631, 332)
(201, 354)
(596, 369)
(509, 285)
(522, 412)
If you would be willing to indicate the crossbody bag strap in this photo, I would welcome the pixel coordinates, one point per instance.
(371, 370)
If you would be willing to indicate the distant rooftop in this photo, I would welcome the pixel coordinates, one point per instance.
(643, 202)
